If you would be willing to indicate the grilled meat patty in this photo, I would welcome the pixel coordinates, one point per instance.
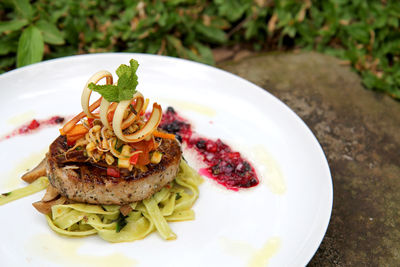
(81, 180)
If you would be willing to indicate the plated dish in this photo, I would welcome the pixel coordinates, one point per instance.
(281, 221)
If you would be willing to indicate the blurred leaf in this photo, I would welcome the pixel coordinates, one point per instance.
(291, 31)
(206, 55)
(232, 9)
(393, 21)
(380, 21)
(6, 63)
(12, 25)
(57, 14)
(359, 32)
(24, 8)
(251, 29)
(369, 80)
(177, 2)
(6, 47)
(51, 34)
(210, 34)
(177, 44)
(153, 48)
(30, 47)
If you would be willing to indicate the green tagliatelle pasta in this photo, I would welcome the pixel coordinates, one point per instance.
(38, 185)
(173, 203)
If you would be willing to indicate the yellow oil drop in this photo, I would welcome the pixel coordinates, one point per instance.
(12, 179)
(65, 252)
(198, 108)
(270, 170)
(21, 118)
(262, 256)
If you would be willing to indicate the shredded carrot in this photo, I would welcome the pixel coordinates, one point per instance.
(77, 130)
(70, 125)
(72, 139)
(75, 133)
(163, 135)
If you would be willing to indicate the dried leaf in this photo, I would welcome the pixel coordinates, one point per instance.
(272, 23)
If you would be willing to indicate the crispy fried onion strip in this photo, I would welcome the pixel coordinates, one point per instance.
(87, 92)
(142, 133)
(106, 108)
(137, 107)
(103, 113)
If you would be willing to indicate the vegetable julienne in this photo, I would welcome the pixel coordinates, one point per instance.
(38, 185)
(112, 138)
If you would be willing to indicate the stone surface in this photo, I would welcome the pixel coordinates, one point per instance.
(359, 131)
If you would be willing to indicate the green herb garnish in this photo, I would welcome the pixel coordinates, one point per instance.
(178, 196)
(126, 86)
(6, 194)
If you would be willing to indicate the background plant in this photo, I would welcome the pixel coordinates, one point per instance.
(363, 33)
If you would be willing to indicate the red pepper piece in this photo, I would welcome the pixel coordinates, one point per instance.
(113, 172)
(134, 159)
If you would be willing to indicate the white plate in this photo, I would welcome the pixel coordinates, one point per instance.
(281, 222)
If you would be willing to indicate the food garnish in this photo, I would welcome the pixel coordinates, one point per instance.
(113, 134)
(126, 86)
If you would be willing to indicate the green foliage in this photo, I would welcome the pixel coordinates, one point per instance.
(363, 33)
(30, 46)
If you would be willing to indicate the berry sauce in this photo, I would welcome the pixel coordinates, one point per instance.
(33, 126)
(224, 165)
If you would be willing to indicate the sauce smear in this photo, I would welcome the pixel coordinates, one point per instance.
(225, 165)
(33, 126)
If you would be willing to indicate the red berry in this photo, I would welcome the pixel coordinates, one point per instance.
(211, 146)
(33, 125)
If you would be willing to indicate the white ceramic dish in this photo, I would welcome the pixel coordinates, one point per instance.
(281, 222)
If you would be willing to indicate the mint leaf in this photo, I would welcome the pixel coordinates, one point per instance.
(108, 91)
(126, 86)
